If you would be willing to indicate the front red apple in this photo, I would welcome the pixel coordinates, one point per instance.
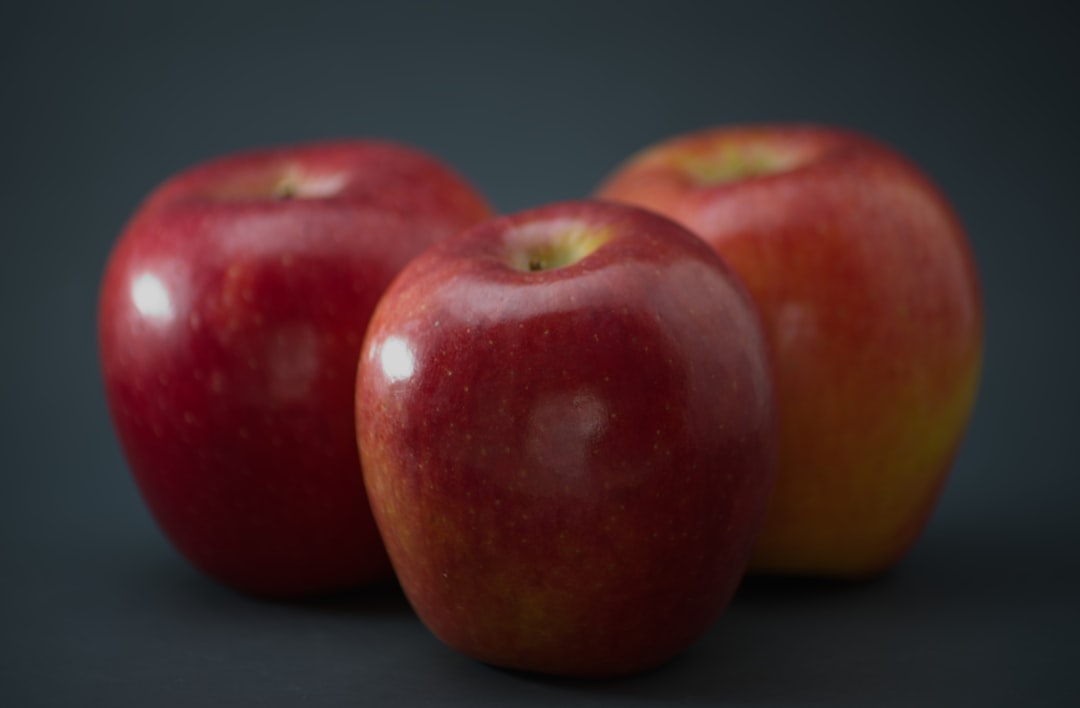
(231, 316)
(566, 424)
(864, 279)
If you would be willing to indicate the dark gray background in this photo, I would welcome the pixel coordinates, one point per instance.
(534, 103)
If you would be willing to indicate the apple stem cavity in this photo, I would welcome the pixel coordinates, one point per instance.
(736, 163)
(284, 190)
(296, 185)
(565, 244)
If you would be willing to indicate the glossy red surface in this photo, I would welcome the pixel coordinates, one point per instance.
(230, 322)
(569, 466)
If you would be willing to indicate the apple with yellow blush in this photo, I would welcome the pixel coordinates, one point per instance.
(868, 289)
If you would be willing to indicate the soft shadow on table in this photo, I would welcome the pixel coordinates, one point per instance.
(382, 598)
(781, 640)
(172, 581)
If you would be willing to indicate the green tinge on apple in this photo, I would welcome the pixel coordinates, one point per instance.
(531, 251)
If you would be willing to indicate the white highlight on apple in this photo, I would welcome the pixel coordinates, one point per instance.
(151, 298)
(563, 430)
(293, 362)
(396, 359)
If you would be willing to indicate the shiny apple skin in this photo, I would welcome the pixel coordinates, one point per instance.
(569, 467)
(868, 289)
(230, 323)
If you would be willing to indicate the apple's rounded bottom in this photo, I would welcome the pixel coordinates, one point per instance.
(621, 657)
(831, 564)
(782, 551)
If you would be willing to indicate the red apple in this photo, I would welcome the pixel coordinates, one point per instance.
(868, 290)
(566, 423)
(230, 320)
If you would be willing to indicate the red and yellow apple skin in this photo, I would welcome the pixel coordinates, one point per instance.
(231, 315)
(567, 430)
(869, 294)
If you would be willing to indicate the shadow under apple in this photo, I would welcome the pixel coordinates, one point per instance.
(781, 639)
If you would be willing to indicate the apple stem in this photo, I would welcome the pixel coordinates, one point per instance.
(284, 191)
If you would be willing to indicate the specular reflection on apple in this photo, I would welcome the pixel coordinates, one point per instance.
(293, 360)
(562, 432)
(396, 359)
(151, 297)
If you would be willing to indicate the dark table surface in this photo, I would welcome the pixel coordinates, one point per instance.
(534, 103)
